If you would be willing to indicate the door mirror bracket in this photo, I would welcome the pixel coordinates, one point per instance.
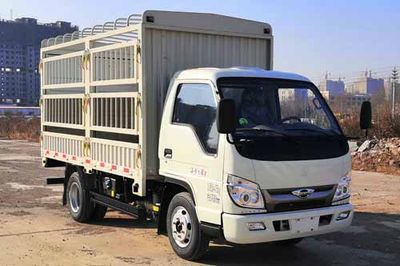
(366, 117)
(226, 116)
(229, 140)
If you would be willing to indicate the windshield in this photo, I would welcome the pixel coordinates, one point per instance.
(286, 106)
(282, 120)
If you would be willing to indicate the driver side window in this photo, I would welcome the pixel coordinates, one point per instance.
(195, 106)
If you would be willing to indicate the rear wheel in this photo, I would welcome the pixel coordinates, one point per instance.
(183, 228)
(78, 199)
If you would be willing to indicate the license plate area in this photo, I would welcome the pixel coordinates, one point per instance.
(304, 225)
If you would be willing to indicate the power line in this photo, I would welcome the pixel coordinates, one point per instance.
(378, 72)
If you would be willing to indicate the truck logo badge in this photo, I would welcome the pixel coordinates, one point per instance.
(303, 192)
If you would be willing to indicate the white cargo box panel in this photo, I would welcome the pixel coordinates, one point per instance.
(103, 88)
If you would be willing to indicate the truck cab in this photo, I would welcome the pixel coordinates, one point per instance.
(282, 169)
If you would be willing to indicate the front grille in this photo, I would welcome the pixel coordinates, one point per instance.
(289, 190)
(280, 200)
(301, 205)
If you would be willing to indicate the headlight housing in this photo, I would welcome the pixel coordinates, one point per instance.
(342, 193)
(245, 193)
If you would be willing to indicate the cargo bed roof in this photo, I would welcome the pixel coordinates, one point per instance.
(169, 19)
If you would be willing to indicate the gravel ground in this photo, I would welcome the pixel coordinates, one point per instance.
(35, 228)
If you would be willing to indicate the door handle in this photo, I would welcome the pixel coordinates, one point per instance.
(168, 153)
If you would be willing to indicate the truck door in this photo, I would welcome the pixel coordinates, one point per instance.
(189, 145)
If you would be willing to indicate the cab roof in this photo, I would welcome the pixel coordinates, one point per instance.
(253, 72)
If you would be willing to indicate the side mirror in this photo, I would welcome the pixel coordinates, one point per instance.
(366, 115)
(226, 115)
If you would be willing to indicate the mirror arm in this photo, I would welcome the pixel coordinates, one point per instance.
(352, 138)
(229, 140)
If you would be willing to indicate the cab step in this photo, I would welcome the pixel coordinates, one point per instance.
(117, 205)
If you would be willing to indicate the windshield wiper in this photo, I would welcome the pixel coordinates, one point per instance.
(262, 130)
(313, 130)
(265, 130)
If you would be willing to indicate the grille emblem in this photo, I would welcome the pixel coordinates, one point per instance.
(303, 192)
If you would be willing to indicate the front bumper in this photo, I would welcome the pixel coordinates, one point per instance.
(301, 224)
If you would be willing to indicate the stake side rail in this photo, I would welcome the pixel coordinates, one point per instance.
(91, 104)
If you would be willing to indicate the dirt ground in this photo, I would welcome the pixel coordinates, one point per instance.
(35, 229)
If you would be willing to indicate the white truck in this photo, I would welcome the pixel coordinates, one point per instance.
(178, 117)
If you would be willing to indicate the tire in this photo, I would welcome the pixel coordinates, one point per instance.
(289, 242)
(99, 212)
(183, 228)
(78, 199)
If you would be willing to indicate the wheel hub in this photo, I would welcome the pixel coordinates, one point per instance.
(181, 227)
(74, 199)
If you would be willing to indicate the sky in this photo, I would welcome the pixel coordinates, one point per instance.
(343, 38)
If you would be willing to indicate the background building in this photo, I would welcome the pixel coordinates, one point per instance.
(288, 95)
(19, 57)
(346, 103)
(366, 85)
(333, 87)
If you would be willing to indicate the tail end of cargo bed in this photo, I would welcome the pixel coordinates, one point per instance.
(50, 163)
(55, 180)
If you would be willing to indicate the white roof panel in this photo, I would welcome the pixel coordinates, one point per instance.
(215, 73)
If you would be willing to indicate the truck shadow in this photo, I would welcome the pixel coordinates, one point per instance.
(117, 219)
(373, 239)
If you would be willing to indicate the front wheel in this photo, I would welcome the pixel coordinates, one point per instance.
(183, 228)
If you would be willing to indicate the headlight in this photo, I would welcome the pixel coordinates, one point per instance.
(342, 193)
(245, 193)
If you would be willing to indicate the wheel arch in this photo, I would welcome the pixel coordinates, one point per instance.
(171, 188)
(88, 179)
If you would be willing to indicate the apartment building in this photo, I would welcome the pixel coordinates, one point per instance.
(19, 57)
